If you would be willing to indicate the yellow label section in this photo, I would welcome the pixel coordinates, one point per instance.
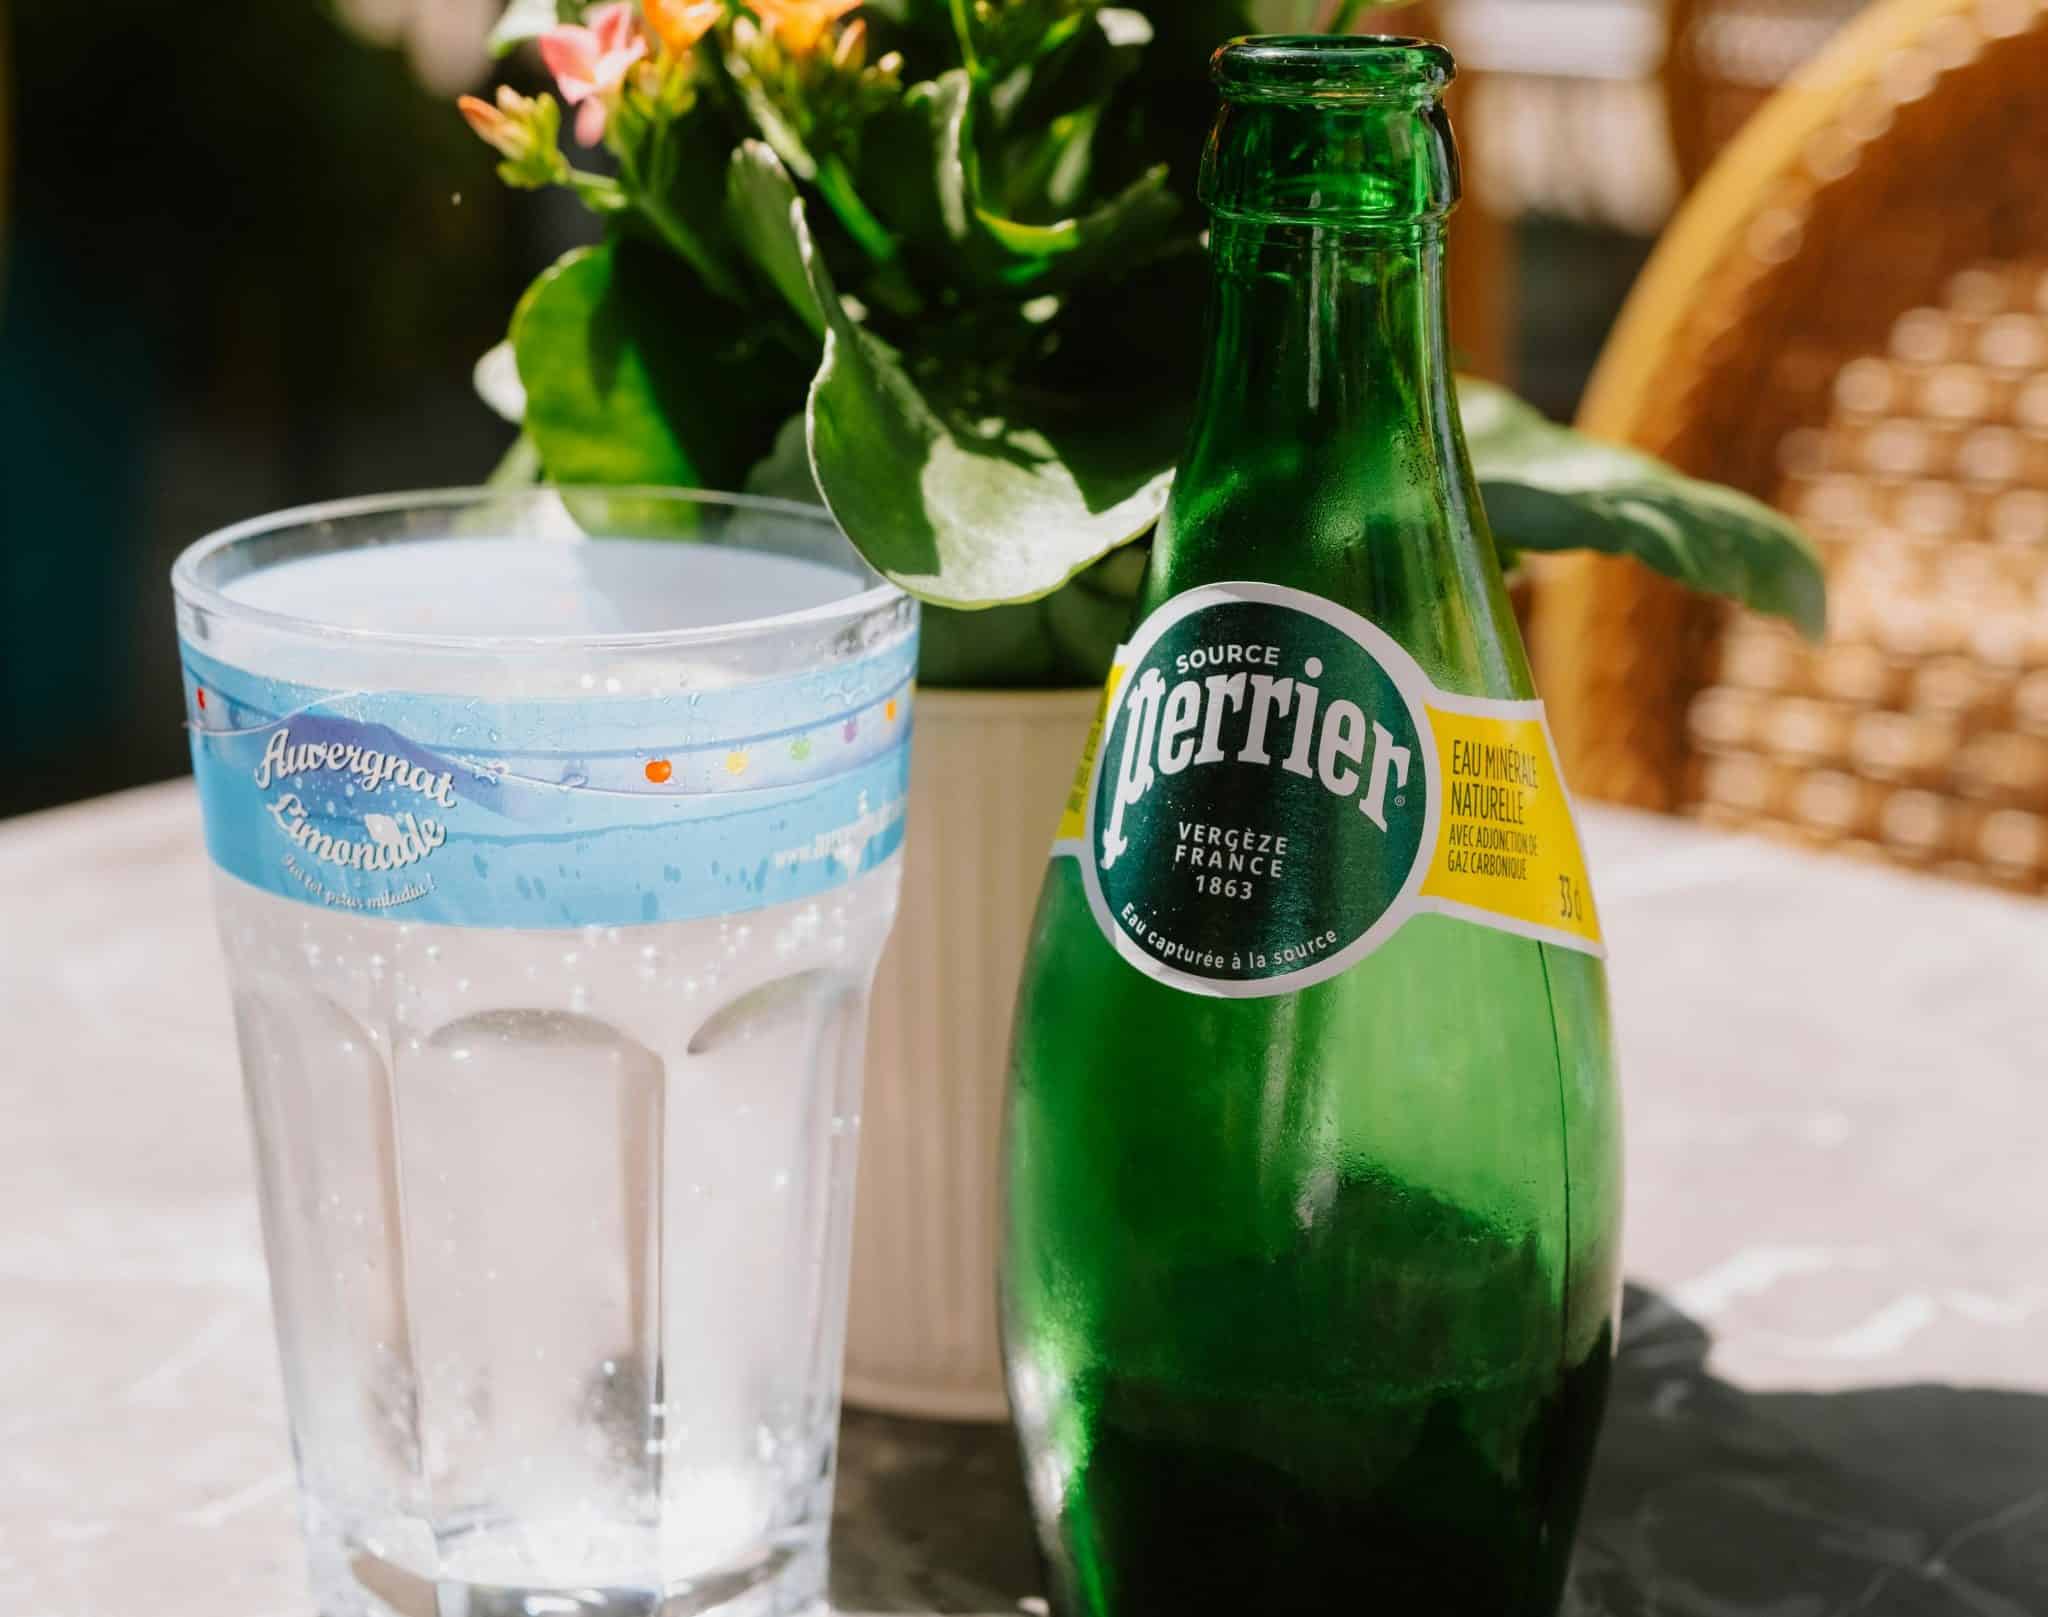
(1507, 848)
(1074, 821)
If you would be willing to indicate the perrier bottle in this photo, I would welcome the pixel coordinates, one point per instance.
(1313, 1166)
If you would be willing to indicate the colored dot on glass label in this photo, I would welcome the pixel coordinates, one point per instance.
(661, 771)
(889, 712)
(735, 763)
(800, 749)
(199, 694)
(852, 729)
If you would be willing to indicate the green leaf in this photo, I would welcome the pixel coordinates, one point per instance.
(1005, 648)
(997, 41)
(768, 118)
(1061, 642)
(759, 215)
(786, 473)
(922, 175)
(672, 167)
(520, 467)
(496, 380)
(1548, 488)
(956, 508)
(1038, 147)
(1168, 108)
(635, 374)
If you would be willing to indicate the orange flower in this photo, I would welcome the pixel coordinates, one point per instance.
(679, 24)
(590, 63)
(801, 24)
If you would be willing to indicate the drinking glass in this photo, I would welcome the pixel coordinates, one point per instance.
(556, 836)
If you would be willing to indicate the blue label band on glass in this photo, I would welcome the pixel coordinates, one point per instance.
(535, 815)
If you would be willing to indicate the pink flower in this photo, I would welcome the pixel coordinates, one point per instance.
(590, 63)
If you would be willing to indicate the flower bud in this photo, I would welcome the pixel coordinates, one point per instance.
(506, 128)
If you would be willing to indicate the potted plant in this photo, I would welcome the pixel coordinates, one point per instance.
(938, 263)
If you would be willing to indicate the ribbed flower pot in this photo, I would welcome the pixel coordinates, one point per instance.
(989, 775)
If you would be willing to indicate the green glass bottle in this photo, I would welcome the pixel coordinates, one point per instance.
(1313, 1162)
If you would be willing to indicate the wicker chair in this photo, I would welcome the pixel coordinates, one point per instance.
(1724, 58)
(1849, 318)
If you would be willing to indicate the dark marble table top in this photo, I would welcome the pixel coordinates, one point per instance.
(1707, 1501)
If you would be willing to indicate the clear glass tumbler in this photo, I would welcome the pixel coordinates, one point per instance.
(556, 839)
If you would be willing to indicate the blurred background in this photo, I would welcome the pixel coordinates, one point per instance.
(249, 256)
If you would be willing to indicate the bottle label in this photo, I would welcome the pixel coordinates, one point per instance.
(1273, 787)
(526, 814)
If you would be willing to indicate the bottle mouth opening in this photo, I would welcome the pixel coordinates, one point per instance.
(1336, 68)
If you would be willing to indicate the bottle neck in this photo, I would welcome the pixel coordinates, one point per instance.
(1327, 454)
(1328, 360)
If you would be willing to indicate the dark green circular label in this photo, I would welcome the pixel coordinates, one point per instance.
(1261, 798)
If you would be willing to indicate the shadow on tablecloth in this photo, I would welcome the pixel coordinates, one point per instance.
(1707, 1501)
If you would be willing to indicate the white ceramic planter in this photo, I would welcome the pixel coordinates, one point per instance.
(989, 775)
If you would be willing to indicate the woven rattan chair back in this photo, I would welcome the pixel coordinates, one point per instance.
(1849, 318)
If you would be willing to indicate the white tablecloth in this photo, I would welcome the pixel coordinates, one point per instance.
(1837, 1078)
